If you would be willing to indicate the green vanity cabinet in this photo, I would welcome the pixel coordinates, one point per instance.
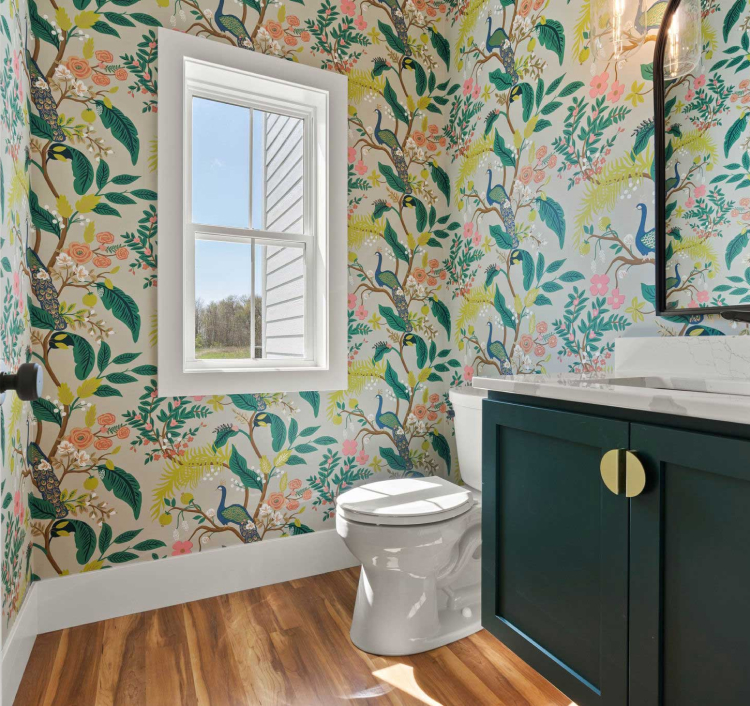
(641, 601)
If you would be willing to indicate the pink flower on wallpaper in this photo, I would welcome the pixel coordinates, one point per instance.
(179, 548)
(361, 168)
(477, 90)
(616, 91)
(599, 285)
(349, 7)
(689, 95)
(700, 191)
(475, 240)
(360, 23)
(599, 85)
(349, 447)
(615, 299)
(351, 154)
(16, 285)
(703, 296)
(700, 81)
(362, 458)
(468, 372)
(468, 83)
(351, 300)
(17, 504)
(468, 230)
(361, 313)
(689, 202)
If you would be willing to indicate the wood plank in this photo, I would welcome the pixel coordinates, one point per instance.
(123, 662)
(38, 669)
(215, 670)
(168, 673)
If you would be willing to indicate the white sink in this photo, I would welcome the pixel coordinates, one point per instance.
(721, 386)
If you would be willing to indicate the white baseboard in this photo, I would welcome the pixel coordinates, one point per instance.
(18, 646)
(110, 593)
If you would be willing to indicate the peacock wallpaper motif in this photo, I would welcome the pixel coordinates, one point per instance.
(494, 184)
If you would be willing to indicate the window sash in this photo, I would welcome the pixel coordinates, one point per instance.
(193, 231)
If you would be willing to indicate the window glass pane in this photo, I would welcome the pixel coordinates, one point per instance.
(223, 301)
(282, 289)
(221, 164)
(281, 182)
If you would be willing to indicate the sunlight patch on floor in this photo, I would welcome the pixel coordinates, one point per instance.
(402, 677)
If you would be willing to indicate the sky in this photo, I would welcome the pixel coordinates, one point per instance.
(221, 194)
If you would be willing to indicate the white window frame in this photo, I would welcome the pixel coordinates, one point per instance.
(192, 67)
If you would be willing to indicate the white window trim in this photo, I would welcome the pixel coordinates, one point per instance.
(324, 229)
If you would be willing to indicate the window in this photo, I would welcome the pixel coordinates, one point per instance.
(252, 222)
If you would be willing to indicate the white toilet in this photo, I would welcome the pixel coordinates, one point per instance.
(419, 542)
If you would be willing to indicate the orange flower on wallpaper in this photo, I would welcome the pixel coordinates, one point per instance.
(81, 438)
(121, 74)
(274, 29)
(276, 500)
(104, 56)
(80, 252)
(101, 79)
(105, 237)
(79, 67)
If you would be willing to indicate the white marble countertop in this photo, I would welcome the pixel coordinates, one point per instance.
(641, 393)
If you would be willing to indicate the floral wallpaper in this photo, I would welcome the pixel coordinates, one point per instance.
(708, 167)
(121, 474)
(14, 332)
(552, 178)
(496, 188)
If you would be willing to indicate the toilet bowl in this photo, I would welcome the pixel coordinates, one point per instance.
(419, 541)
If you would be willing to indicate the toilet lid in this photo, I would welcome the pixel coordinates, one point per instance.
(404, 501)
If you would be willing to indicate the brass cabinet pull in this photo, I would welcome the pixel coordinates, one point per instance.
(623, 473)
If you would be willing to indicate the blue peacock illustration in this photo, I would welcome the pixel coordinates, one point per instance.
(499, 42)
(496, 351)
(237, 515)
(498, 196)
(673, 182)
(45, 479)
(399, 24)
(676, 281)
(388, 420)
(43, 288)
(386, 278)
(645, 240)
(43, 99)
(649, 19)
(386, 137)
(233, 25)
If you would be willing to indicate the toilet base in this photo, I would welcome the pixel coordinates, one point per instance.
(433, 614)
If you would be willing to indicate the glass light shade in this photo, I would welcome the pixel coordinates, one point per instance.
(684, 40)
(617, 29)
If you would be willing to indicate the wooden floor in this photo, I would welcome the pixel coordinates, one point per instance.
(286, 645)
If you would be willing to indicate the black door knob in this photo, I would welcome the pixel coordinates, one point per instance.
(27, 381)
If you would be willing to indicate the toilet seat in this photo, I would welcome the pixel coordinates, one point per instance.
(404, 501)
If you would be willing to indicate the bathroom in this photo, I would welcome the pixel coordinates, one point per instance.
(472, 383)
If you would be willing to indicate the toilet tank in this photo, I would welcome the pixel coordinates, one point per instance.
(467, 404)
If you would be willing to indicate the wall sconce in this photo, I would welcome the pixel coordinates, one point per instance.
(617, 28)
(620, 27)
(682, 51)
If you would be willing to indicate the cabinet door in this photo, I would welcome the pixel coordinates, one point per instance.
(555, 548)
(690, 570)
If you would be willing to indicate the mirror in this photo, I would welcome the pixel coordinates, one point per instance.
(702, 169)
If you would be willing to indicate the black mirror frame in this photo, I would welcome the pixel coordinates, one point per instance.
(732, 313)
